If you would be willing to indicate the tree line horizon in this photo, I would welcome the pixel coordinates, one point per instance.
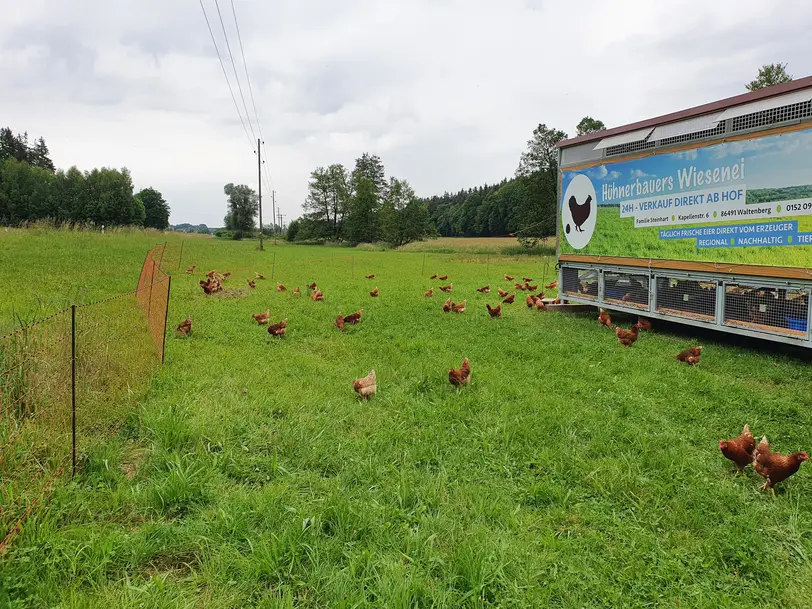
(357, 206)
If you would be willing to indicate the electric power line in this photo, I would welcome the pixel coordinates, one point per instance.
(234, 67)
(251, 94)
(225, 74)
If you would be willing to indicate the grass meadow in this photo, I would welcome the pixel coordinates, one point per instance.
(570, 472)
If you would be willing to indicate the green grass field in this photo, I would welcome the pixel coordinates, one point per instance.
(616, 236)
(571, 472)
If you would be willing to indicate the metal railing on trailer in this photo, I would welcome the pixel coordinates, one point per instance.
(758, 307)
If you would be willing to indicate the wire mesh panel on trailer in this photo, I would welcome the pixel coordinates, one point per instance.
(582, 283)
(690, 298)
(783, 114)
(626, 289)
(776, 310)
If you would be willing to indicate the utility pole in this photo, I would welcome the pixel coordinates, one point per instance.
(273, 210)
(281, 226)
(259, 176)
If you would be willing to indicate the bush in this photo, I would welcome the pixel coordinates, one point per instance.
(293, 230)
(223, 233)
(238, 235)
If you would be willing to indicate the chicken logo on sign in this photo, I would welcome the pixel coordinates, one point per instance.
(579, 211)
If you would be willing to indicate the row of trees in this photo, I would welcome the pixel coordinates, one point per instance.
(32, 189)
(361, 206)
(524, 205)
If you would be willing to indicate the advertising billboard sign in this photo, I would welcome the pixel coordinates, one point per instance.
(745, 201)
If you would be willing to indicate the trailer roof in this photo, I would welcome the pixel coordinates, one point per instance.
(723, 104)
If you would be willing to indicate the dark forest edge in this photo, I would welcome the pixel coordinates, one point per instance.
(33, 190)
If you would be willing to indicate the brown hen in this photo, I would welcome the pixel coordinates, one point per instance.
(262, 318)
(278, 329)
(460, 377)
(366, 386)
(776, 467)
(353, 318)
(185, 327)
(627, 337)
(691, 356)
(740, 450)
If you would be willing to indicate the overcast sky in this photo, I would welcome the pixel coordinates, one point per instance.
(446, 92)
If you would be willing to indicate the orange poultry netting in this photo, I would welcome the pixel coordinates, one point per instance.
(72, 379)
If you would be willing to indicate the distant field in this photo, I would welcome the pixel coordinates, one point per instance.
(572, 472)
(48, 270)
(470, 244)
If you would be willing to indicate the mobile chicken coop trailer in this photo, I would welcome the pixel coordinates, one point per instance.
(702, 217)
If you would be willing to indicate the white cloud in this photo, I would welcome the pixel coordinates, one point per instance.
(598, 173)
(639, 173)
(447, 93)
(687, 155)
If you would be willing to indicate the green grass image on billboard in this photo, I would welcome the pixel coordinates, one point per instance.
(616, 236)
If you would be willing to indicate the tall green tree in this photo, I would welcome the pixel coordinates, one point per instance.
(362, 220)
(108, 198)
(39, 156)
(369, 166)
(403, 218)
(589, 125)
(293, 229)
(242, 207)
(13, 146)
(327, 201)
(541, 153)
(769, 75)
(155, 208)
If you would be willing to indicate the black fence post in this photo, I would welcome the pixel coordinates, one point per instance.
(73, 386)
(166, 318)
(273, 267)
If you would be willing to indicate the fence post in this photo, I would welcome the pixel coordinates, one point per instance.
(73, 386)
(353, 267)
(488, 267)
(166, 317)
(180, 259)
(273, 267)
(423, 268)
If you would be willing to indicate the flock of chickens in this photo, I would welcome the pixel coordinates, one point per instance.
(532, 300)
(742, 450)
(629, 337)
(774, 467)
